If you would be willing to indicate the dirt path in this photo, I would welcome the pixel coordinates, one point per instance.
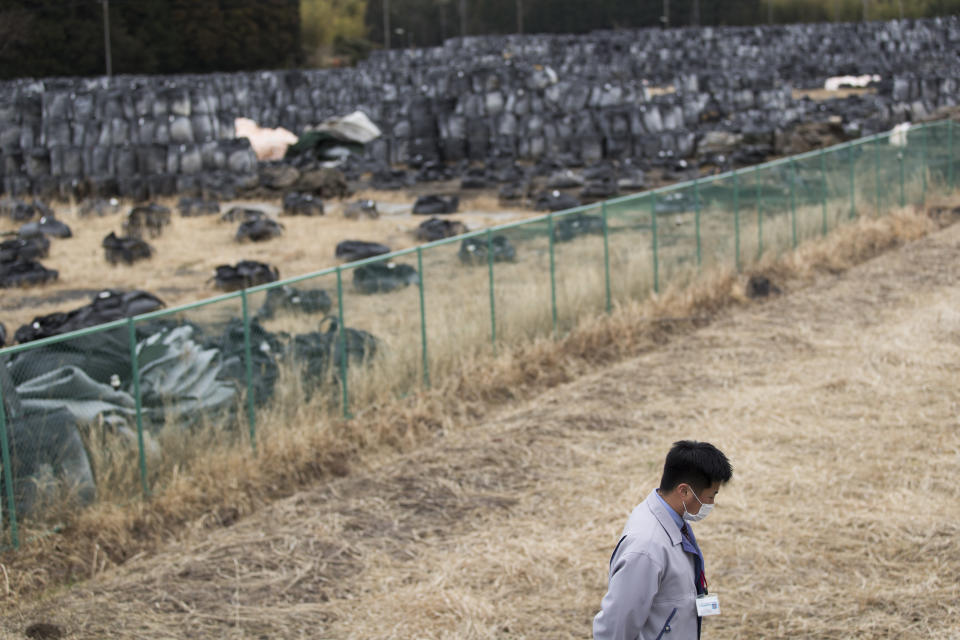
(838, 404)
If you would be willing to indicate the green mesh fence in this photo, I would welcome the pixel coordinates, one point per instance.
(117, 412)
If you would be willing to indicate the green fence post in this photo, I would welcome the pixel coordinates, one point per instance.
(736, 217)
(823, 188)
(793, 201)
(950, 156)
(423, 322)
(493, 303)
(342, 339)
(606, 257)
(853, 181)
(8, 473)
(876, 168)
(248, 360)
(923, 159)
(903, 195)
(653, 228)
(759, 216)
(135, 373)
(696, 219)
(553, 275)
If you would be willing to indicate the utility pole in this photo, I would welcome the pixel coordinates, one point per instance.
(463, 18)
(695, 18)
(520, 17)
(665, 18)
(386, 24)
(865, 13)
(106, 37)
(900, 5)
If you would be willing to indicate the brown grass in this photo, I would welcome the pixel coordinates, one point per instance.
(836, 402)
(298, 444)
(189, 249)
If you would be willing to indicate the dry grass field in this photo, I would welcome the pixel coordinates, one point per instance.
(189, 249)
(837, 403)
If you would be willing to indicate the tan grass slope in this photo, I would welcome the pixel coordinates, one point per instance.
(838, 404)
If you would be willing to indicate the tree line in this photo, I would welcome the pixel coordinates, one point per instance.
(40, 38)
(429, 22)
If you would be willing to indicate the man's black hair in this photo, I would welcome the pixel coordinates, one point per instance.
(698, 464)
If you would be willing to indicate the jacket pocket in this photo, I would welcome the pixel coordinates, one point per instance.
(666, 625)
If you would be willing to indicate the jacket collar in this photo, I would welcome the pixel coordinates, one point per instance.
(666, 521)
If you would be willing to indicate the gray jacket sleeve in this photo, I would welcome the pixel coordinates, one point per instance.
(634, 580)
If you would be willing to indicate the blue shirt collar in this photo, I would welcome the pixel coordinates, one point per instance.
(673, 514)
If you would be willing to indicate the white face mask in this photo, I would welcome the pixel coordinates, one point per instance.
(705, 510)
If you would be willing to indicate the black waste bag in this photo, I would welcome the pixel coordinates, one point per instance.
(49, 461)
(259, 230)
(197, 207)
(438, 229)
(125, 249)
(302, 204)
(100, 355)
(265, 349)
(569, 227)
(18, 249)
(151, 217)
(436, 205)
(246, 273)
(107, 305)
(290, 299)
(352, 250)
(320, 353)
(475, 250)
(382, 278)
(25, 273)
(555, 201)
(48, 458)
(46, 226)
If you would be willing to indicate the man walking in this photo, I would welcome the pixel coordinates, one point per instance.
(658, 584)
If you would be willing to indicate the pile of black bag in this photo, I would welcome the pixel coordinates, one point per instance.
(107, 305)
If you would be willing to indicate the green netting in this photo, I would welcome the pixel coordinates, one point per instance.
(80, 422)
(772, 209)
(382, 338)
(456, 277)
(519, 267)
(579, 273)
(192, 383)
(939, 137)
(630, 244)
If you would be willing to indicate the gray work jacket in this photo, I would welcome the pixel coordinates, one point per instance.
(652, 593)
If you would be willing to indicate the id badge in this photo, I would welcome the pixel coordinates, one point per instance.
(708, 606)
